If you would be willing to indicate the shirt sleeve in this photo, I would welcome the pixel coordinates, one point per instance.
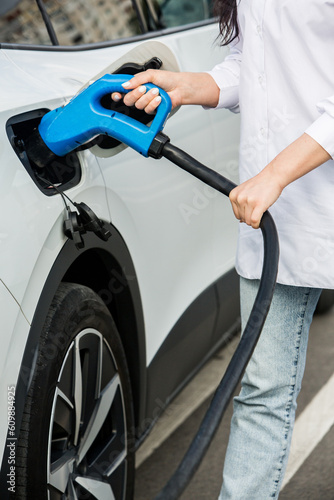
(322, 129)
(227, 76)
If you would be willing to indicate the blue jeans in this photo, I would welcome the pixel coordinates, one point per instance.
(264, 412)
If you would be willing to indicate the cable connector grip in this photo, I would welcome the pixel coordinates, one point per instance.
(157, 146)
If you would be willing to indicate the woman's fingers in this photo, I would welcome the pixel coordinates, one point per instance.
(153, 102)
(116, 96)
(148, 100)
(150, 76)
(235, 206)
(255, 217)
(252, 198)
(131, 98)
(246, 208)
(137, 94)
(141, 98)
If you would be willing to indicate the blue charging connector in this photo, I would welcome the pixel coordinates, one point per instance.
(68, 127)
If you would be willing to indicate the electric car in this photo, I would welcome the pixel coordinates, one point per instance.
(117, 271)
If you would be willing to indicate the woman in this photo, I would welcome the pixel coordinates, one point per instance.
(279, 74)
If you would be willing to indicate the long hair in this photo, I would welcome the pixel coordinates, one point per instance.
(226, 11)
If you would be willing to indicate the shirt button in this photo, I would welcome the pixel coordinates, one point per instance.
(260, 78)
(258, 29)
(262, 131)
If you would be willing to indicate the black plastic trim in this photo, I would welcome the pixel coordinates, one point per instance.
(205, 325)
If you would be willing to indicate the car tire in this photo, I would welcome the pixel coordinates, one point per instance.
(75, 439)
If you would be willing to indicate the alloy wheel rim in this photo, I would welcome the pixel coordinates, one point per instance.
(87, 448)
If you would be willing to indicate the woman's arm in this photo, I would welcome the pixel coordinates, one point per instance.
(253, 197)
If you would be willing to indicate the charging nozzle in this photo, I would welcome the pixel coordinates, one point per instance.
(68, 127)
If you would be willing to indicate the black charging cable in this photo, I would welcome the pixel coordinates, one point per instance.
(200, 444)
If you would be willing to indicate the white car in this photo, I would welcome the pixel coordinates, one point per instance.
(99, 331)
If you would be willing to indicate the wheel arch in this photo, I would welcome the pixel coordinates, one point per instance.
(111, 274)
(116, 283)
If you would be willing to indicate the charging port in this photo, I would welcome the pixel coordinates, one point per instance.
(62, 172)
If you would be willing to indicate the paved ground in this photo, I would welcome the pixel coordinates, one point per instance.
(310, 471)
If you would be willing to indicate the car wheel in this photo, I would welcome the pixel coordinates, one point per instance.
(75, 436)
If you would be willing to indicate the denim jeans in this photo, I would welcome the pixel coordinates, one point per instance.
(264, 412)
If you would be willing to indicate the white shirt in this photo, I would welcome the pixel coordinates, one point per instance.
(280, 75)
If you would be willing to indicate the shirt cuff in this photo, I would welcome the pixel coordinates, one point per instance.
(228, 90)
(322, 131)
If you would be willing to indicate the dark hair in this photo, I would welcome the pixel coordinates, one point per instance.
(226, 11)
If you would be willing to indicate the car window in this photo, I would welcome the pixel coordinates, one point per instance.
(173, 13)
(75, 22)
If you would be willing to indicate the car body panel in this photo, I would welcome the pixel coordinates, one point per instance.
(134, 184)
(35, 224)
(12, 346)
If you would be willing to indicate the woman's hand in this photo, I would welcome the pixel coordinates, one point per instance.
(149, 101)
(252, 198)
(182, 88)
